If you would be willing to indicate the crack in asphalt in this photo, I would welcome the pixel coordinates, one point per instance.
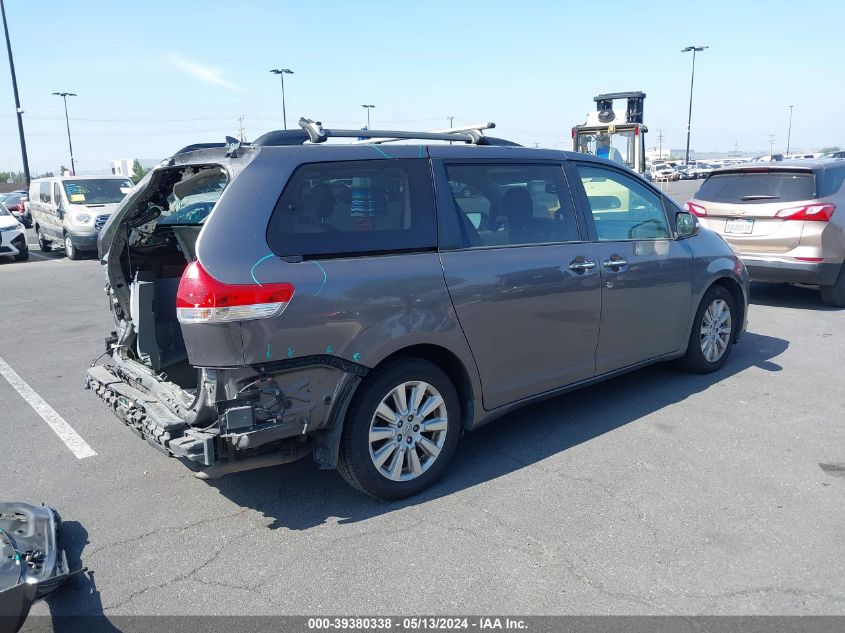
(184, 576)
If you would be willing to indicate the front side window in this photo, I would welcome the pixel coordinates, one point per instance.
(503, 204)
(622, 208)
(354, 207)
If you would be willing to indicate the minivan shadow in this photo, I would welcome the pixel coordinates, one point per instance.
(307, 497)
(788, 296)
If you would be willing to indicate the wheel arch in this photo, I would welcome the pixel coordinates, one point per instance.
(733, 287)
(449, 363)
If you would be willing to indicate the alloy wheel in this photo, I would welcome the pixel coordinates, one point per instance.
(716, 328)
(408, 431)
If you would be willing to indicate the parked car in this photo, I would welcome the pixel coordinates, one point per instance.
(835, 155)
(686, 172)
(783, 219)
(12, 236)
(664, 172)
(71, 210)
(15, 202)
(374, 329)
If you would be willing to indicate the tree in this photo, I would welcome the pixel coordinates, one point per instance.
(828, 150)
(138, 172)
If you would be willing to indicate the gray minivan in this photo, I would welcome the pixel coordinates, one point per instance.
(71, 210)
(291, 296)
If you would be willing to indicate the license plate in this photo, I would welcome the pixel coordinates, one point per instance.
(739, 226)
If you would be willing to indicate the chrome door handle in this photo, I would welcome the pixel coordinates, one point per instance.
(614, 263)
(580, 266)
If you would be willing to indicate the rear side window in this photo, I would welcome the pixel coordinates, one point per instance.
(831, 182)
(506, 204)
(355, 207)
(44, 191)
(758, 187)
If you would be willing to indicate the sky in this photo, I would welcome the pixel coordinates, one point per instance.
(154, 76)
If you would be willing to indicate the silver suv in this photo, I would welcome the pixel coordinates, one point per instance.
(783, 220)
(280, 298)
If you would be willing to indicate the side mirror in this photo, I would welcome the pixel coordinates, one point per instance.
(686, 224)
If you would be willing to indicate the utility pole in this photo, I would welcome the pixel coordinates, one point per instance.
(771, 144)
(65, 95)
(789, 134)
(736, 149)
(18, 109)
(451, 121)
(660, 144)
(241, 122)
(694, 49)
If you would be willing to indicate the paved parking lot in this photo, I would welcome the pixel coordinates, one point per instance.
(658, 492)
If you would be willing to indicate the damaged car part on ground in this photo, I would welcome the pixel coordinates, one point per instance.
(32, 561)
(281, 297)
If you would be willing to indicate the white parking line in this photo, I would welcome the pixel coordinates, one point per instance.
(71, 438)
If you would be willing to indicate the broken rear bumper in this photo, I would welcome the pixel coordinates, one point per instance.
(225, 423)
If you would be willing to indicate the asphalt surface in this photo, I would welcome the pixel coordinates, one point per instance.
(658, 492)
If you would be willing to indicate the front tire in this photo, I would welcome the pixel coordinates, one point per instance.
(401, 431)
(43, 243)
(22, 256)
(70, 250)
(713, 332)
(835, 295)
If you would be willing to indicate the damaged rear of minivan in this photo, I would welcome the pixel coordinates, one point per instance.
(208, 406)
(253, 288)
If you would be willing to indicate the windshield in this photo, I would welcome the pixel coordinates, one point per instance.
(618, 146)
(758, 187)
(96, 191)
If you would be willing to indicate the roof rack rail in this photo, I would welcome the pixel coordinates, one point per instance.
(479, 127)
(318, 134)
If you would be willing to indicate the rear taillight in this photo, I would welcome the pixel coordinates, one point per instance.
(696, 209)
(203, 299)
(808, 213)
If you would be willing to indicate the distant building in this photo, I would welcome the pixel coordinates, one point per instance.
(123, 166)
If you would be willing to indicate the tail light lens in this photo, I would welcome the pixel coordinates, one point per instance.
(202, 299)
(696, 209)
(808, 213)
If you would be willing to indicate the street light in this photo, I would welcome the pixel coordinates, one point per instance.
(18, 109)
(789, 133)
(65, 95)
(694, 49)
(281, 72)
(369, 107)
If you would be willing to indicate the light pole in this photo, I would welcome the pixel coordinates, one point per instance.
(694, 49)
(771, 145)
(65, 95)
(18, 108)
(369, 107)
(789, 133)
(281, 72)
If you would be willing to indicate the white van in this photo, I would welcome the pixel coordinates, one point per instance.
(71, 210)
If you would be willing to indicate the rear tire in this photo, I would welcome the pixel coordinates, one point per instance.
(70, 250)
(391, 449)
(835, 295)
(713, 332)
(43, 243)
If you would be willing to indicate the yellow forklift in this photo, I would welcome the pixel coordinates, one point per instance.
(618, 135)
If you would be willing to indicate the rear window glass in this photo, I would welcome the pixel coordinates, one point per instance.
(758, 187)
(350, 207)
